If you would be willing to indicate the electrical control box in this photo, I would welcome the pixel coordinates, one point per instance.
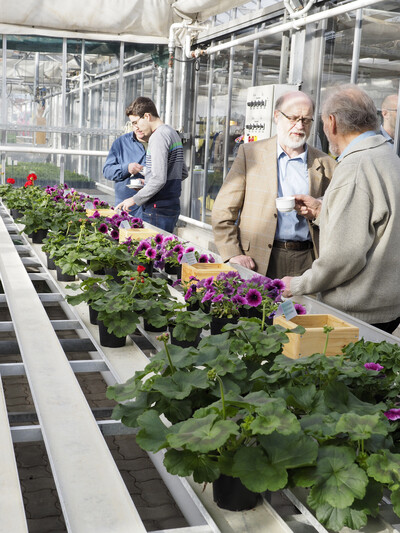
(260, 110)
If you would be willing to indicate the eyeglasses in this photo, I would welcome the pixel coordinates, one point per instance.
(294, 120)
(135, 122)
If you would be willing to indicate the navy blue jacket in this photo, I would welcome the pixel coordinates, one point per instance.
(124, 150)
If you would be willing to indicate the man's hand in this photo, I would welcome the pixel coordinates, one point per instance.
(287, 293)
(243, 260)
(134, 168)
(307, 206)
(126, 204)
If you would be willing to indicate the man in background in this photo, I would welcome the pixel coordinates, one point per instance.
(126, 159)
(248, 230)
(389, 116)
(165, 167)
(359, 216)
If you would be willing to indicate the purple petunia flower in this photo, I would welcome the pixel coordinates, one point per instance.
(203, 258)
(238, 300)
(373, 366)
(96, 202)
(103, 228)
(278, 284)
(189, 293)
(208, 295)
(392, 414)
(151, 253)
(211, 259)
(217, 298)
(301, 310)
(114, 234)
(190, 249)
(158, 239)
(178, 248)
(143, 245)
(253, 298)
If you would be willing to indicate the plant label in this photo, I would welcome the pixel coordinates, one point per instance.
(189, 257)
(288, 309)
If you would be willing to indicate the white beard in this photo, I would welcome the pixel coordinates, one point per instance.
(285, 139)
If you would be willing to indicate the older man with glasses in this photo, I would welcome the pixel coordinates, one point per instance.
(248, 229)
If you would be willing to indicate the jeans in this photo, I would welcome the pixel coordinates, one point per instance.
(162, 217)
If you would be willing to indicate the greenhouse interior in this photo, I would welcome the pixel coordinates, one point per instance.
(123, 407)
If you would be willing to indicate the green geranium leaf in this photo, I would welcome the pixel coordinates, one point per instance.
(274, 416)
(319, 425)
(338, 479)
(175, 410)
(395, 499)
(384, 467)
(202, 434)
(153, 433)
(129, 412)
(181, 357)
(339, 398)
(180, 384)
(335, 519)
(263, 473)
(360, 427)
(290, 451)
(184, 463)
(302, 397)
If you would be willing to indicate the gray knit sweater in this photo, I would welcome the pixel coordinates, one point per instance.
(358, 269)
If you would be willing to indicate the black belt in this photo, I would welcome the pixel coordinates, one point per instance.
(294, 245)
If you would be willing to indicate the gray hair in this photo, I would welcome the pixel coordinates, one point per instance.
(290, 96)
(353, 109)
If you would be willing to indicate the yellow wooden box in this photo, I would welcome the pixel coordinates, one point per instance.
(314, 338)
(203, 270)
(136, 233)
(102, 212)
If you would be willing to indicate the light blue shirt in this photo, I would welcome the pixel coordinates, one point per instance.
(292, 179)
(351, 145)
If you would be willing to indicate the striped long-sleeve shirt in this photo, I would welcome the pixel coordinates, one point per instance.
(165, 169)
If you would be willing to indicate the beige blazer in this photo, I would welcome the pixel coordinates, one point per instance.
(248, 196)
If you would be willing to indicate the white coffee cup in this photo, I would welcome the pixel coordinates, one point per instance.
(137, 183)
(285, 203)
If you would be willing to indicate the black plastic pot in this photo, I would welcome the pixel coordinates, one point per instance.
(16, 213)
(230, 493)
(174, 270)
(183, 344)
(149, 327)
(114, 273)
(93, 315)
(50, 262)
(39, 235)
(63, 277)
(218, 323)
(109, 340)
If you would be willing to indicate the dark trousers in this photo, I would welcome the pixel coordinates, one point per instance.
(389, 327)
(289, 262)
(161, 217)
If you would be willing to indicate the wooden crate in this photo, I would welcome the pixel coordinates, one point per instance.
(314, 338)
(204, 270)
(102, 212)
(137, 234)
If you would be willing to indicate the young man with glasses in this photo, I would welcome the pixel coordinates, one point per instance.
(165, 167)
(248, 229)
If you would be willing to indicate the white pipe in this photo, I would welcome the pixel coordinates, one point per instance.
(296, 14)
(194, 222)
(62, 151)
(316, 17)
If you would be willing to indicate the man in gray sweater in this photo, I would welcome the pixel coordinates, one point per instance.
(359, 217)
(165, 167)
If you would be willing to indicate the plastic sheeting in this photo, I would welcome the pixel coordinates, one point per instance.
(138, 21)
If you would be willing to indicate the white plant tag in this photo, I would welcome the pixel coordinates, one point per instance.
(125, 224)
(288, 309)
(89, 205)
(189, 257)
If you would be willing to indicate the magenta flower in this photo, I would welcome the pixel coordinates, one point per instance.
(239, 300)
(151, 253)
(211, 259)
(103, 228)
(114, 234)
(158, 239)
(373, 366)
(253, 298)
(178, 248)
(392, 414)
(301, 310)
(203, 258)
(208, 295)
(217, 298)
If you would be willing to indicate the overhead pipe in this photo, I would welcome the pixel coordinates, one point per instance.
(286, 26)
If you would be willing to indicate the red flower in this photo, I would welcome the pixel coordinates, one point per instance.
(31, 177)
(132, 279)
(140, 268)
(28, 183)
(142, 280)
(11, 180)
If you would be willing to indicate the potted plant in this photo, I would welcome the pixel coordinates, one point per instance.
(237, 401)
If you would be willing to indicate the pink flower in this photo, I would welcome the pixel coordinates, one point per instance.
(392, 414)
(373, 366)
